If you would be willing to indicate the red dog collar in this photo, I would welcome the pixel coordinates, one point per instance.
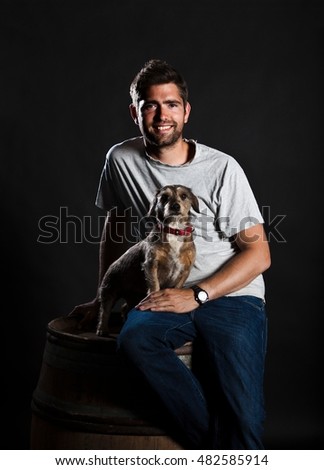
(176, 231)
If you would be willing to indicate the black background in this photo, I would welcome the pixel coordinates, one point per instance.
(255, 74)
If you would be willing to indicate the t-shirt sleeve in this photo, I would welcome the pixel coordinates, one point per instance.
(107, 197)
(238, 208)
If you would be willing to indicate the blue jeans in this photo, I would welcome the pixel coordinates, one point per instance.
(219, 404)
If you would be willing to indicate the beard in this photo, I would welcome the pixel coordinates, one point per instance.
(163, 140)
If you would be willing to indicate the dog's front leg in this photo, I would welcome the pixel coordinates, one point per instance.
(151, 275)
(106, 306)
(182, 279)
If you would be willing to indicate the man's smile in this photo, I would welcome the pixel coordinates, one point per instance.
(162, 128)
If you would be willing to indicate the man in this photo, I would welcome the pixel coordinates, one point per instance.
(222, 303)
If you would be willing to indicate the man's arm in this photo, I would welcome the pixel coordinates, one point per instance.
(252, 259)
(113, 244)
(115, 240)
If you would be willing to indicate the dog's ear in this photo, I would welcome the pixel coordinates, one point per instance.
(194, 203)
(152, 208)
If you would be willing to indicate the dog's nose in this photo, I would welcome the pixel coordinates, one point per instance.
(175, 206)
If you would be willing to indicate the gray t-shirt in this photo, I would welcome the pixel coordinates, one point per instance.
(227, 205)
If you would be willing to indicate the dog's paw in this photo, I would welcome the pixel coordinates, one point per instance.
(85, 315)
(102, 331)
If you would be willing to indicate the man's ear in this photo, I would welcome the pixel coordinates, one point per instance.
(133, 113)
(187, 112)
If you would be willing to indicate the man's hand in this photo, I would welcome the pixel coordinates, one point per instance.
(169, 300)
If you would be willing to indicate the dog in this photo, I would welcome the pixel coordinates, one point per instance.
(162, 260)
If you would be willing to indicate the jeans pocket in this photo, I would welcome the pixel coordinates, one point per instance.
(255, 302)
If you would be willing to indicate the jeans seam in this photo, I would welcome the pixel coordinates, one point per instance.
(257, 307)
(174, 328)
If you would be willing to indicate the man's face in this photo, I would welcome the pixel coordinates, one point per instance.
(161, 115)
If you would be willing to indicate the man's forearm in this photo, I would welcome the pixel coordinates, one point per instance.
(235, 274)
(114, 242)
(252, 260)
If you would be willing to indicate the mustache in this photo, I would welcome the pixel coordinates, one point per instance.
(164, 123)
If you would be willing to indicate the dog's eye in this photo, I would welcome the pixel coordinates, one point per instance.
(184, 196)
(164, 198)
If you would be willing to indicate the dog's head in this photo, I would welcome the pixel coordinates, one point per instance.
(173, 203)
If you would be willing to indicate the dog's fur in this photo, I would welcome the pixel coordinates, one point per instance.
(162, 260)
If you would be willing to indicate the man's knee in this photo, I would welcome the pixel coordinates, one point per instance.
(136, 334)
(129, 338)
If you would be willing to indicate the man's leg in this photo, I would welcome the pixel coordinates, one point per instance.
(233, 332)
(148, 339)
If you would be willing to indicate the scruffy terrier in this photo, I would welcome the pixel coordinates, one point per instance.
(162, 260)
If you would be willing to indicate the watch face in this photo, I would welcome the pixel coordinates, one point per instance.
(202, 296)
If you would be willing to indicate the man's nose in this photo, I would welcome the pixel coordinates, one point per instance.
(161, 113)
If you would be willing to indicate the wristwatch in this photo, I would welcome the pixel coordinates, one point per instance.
(201, 296)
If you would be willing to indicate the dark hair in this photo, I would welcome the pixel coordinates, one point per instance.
(156, 72)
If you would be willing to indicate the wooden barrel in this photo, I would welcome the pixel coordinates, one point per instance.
(88, 398)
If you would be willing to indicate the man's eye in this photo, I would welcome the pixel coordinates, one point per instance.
(149, 107)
